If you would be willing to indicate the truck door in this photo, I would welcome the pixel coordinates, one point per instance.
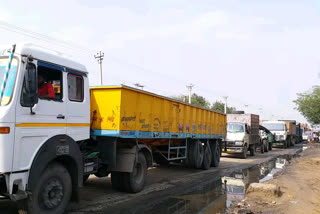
(78, 105)
(48, 119)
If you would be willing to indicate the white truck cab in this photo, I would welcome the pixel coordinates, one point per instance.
(242, 133)
(30, 124)
(236, 133)
(279, 129)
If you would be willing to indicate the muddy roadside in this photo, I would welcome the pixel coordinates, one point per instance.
(298, 185)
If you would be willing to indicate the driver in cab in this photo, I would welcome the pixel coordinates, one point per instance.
(45, 89)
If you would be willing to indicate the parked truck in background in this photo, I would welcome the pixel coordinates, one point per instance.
(242, 133)
(284, 132)
(291, 132)
(266, 137)
(48, 146)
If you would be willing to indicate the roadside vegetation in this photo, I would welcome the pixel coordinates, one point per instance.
(203, 102)
(308, 105)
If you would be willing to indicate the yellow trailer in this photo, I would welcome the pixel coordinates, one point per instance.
(125, 112)
(171, 129)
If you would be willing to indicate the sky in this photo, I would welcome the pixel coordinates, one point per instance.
(258, 53)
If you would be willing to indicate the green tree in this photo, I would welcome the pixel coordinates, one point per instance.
(219, 107)
(195, 100)
(308, 104)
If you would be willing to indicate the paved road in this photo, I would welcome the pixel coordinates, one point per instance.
(97, 196)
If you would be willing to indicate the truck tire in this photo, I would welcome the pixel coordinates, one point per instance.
(270, 146)
(262, 148)
(244, 152)
(134, 181)
(285, 144)
(207, 157)
(252, 150)
(52, 193)
(216, 154)
(266, 145)
(117, 181)
(196, 154)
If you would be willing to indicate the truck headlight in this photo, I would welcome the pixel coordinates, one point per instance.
(238, 143)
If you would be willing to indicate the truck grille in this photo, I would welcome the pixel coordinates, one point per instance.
(230, 143)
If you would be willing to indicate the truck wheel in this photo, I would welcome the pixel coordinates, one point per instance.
(266, 146)
(207, 157)
(196, 154)
(134, 181)
(270, 146)
(52, 193)
(244, 152)
(262, 148)
(117, 181)
(253, 150)
(216, 154)
(285, 144)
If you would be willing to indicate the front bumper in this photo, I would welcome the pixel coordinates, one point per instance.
(230, 147)
(278, 143)
(233, 150)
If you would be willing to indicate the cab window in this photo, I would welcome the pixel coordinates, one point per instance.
(49, 83)
(75, 88)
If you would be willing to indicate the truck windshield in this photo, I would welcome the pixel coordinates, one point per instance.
(275, 126)
(7, 81)
(235, 128)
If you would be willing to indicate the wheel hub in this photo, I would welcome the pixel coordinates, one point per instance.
(52, 194)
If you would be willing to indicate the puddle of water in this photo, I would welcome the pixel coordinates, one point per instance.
(237, 183)
(216, 196)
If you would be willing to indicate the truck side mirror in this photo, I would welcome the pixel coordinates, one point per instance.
(29, 96)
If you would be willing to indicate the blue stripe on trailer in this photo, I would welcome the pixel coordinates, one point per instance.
(139, 134)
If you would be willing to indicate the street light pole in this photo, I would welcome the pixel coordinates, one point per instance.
(225, 104)
(189, 87)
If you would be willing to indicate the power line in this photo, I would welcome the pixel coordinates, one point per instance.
(78, 49)
(33, 34)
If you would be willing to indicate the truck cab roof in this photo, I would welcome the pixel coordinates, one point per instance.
(44, 54)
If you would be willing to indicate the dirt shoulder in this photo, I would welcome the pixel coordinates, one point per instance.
(299, 188)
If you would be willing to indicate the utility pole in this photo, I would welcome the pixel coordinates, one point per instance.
(189, 87)
(225, 104)
(99, 57)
